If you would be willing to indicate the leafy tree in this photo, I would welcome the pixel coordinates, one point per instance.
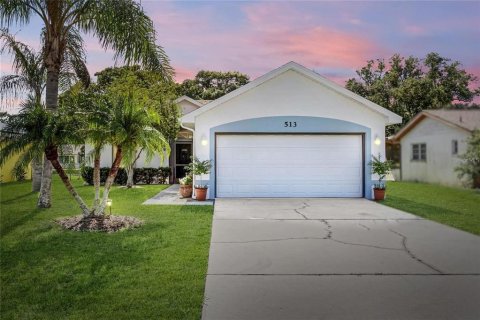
(211, 85)
(30, 78)
(121, 25)
(407, 86)
(470, 167)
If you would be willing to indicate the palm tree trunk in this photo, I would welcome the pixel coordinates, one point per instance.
(52, 155)
(36, 175)
(51, 90)
(100, 210)
(45, 197)
(130, 176)
(96, 177)
(51, 103)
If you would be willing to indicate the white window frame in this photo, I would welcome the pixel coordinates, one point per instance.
(421, 152)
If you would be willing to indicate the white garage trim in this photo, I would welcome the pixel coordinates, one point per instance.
(319, 165)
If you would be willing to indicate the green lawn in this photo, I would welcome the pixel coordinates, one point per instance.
(459, 208)
(154, 272)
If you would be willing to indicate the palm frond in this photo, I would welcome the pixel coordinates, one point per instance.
(123, 26)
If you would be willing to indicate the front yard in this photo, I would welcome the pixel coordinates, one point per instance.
(155, 272)
(459, 208)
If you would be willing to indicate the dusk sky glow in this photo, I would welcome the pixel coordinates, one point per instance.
(333, 38)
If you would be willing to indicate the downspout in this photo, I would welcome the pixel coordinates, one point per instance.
(193, 154)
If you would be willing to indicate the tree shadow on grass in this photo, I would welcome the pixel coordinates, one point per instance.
(13, 200)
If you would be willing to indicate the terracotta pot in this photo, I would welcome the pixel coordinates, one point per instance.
(186, 191)
(379, 194)
(201, 194)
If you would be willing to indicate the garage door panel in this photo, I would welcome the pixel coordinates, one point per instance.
(289, 166)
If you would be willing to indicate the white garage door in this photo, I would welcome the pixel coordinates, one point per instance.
(282, 165)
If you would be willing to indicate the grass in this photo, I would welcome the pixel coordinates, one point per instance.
(155, 272)
(459, 208)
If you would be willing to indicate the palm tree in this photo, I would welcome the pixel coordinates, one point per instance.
(121, 25)
(132, 125)
(35, 129)
(30, 78)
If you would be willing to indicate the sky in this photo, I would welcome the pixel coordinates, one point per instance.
(334, 38)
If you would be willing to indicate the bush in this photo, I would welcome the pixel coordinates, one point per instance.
(140, 175)
(19, 173)
(87, 175)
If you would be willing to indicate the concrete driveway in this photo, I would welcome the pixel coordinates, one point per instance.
(337, 259)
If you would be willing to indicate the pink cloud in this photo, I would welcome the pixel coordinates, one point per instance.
(415, 30)
(183, 73)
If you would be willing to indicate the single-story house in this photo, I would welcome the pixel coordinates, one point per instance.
(431, 143)
(289, 133)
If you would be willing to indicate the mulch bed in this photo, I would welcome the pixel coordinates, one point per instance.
(99, 223)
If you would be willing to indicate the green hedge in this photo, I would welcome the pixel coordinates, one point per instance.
(140, 175)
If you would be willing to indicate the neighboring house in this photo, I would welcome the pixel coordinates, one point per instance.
(290, 133)
(431, 143)
(181, 149)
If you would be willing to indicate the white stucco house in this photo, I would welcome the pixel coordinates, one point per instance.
(289, 133)
(431, 143)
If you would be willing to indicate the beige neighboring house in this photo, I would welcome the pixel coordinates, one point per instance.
(432, 142)
(181, 149)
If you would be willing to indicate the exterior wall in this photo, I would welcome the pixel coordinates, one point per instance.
(290, 97)
(440, 164)
(187, 106)
(106, 158)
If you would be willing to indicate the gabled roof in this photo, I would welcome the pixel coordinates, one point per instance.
(198, 103)
(467, 120)
(391, 117)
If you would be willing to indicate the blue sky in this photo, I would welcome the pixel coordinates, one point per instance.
(334, 38)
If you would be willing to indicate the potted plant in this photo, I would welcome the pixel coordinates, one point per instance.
(186, 186)
(199, 168)
(381, 169)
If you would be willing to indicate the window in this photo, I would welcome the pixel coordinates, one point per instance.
(419, 152)
(454, 147)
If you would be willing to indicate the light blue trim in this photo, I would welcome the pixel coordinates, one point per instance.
(304, 125)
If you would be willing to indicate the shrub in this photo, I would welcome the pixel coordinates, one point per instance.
(19, 173)
(87, 175)
(140, 175)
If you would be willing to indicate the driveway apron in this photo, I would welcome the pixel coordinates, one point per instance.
(337, 259)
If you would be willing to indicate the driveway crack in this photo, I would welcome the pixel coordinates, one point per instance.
(328, 229)
(412, 255)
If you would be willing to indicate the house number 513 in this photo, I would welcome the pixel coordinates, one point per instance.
(290, 124)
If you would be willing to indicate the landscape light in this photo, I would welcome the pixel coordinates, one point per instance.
(109, 204)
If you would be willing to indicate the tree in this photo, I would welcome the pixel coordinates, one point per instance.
(150, 88)
(35, 129)
(470, 167)
(407, 86)
(30, 78)
(121, 25)
(211, 85)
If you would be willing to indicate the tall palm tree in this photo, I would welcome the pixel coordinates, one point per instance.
(30, 78)
(121, 25)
